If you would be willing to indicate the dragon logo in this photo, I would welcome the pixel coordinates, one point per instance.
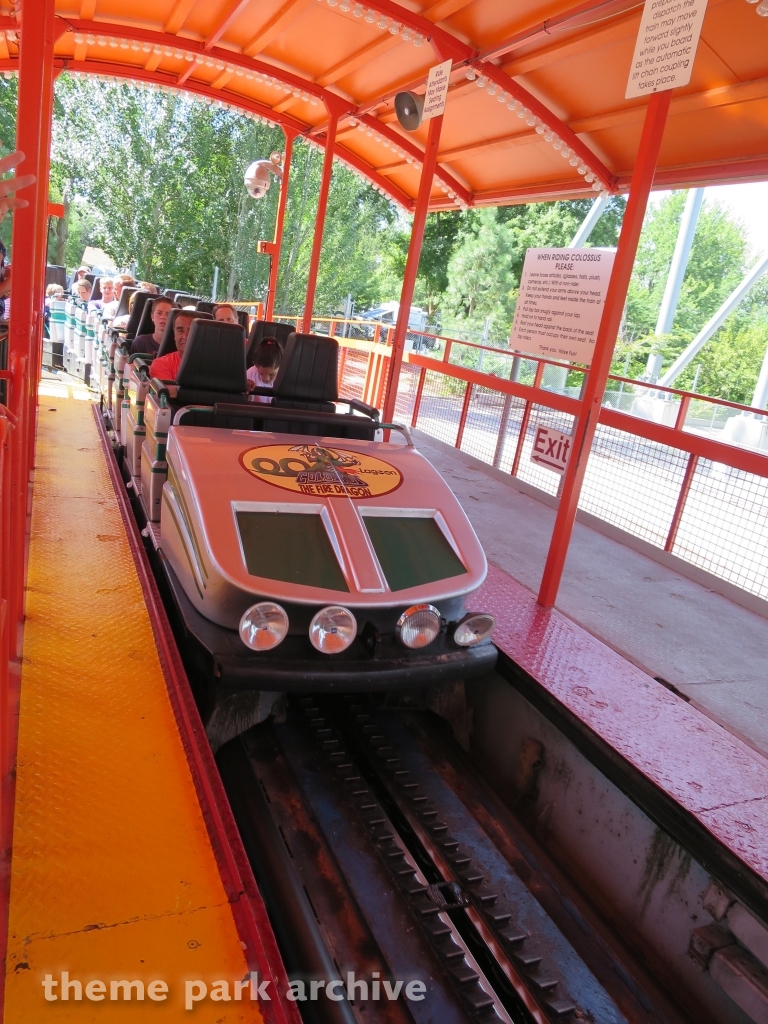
(320, 471)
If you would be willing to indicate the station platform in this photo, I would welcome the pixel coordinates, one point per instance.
(125, 866)
(702, 638)
(693, 753)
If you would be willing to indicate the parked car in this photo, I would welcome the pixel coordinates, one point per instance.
(387, 314)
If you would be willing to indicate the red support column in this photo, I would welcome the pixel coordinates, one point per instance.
(419, 393)
(463, 417)
(412, 265)
(42, 226)
(33, 137)
(690, 472)
(642, 179)
(334, 112)
(278, 243)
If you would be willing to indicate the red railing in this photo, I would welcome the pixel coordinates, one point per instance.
(665, 464)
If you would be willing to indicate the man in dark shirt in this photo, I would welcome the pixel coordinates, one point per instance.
(148, 344)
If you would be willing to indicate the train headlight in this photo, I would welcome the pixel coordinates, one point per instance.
(418, 626)
(333, 629)
(473, 629)
(263, 626)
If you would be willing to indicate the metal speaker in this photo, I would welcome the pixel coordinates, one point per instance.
(409, 109)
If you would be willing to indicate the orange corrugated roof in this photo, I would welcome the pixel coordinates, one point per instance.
(568, 63)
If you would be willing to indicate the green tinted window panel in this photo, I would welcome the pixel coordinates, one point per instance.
(291, 547)
(412, 550)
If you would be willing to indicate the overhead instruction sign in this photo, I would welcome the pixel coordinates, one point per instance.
(666, 46)
(437, 90)
(562, 292)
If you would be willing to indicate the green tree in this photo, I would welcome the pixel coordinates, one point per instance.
(358, 219)
(487, 260)
(441, 232)
(718, 261)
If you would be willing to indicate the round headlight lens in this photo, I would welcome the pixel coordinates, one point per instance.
(418, 626)
(263, 626)
(474, 629)
(333, 629)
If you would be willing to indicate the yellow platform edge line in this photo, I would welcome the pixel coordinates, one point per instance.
(113, 874)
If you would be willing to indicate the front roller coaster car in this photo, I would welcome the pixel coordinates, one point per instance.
(309, 563)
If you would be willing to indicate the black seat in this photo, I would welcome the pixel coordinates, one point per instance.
(184, 299)
(213, 365)
(125, 297)
(135, 318)
(168, 344)
(308, 380)
(95, 280)
(266, 329)
(145, 324)
(204, 306)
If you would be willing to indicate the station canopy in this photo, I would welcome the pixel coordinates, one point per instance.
(529, 79)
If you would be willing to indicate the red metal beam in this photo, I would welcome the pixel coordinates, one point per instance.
(563, 403)
(280, 220)
(444, 41)
(580, 16)
(356, 161)
(672, 437)
(412, 266)
(334, 110)
(234, 11)
(170, 81)
(545, 115)
(413, 150)
(38, 35)
(35, 70)
(647, 157)
(163, 39)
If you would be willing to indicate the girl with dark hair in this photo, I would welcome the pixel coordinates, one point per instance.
(266, 363)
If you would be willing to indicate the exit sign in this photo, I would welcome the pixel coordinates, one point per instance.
(551, 449)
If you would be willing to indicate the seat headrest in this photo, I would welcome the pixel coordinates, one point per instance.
(145, 325)
(204, 306)
(138, 308)
(267, 329)
(214, 358)
(168, 344)
(309, 369)
(125, 296)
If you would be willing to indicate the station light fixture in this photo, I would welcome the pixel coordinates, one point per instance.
(263, 626)
(258, 176)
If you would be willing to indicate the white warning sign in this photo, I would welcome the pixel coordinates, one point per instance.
(437, 90)
(560, 302)
(666, 46)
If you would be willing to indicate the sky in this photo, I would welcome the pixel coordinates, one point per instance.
(747, 203)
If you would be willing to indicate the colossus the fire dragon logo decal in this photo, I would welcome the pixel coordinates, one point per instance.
(320, 471)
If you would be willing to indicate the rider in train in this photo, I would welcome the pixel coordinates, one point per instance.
(167, 366)
(149, 344)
